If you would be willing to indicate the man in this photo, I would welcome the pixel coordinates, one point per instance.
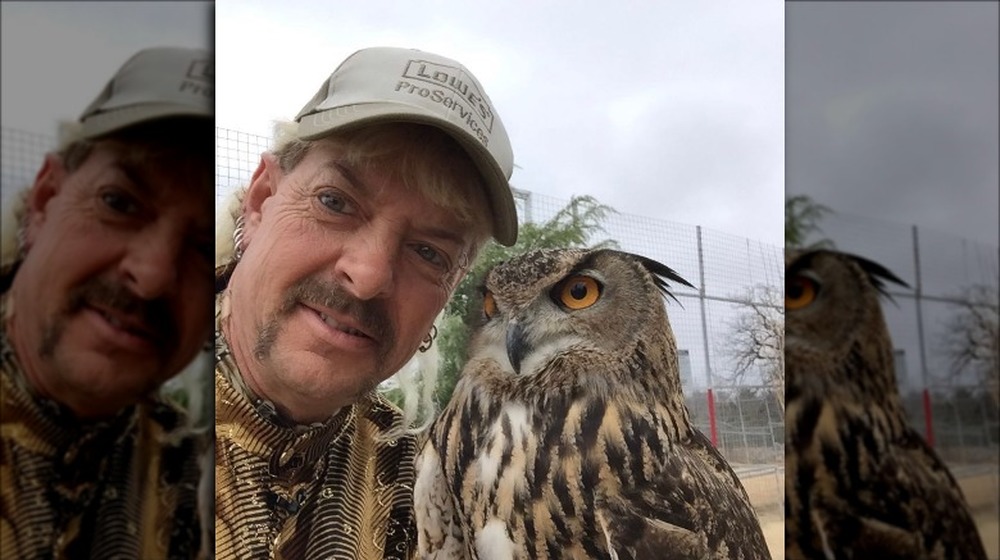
(106, 295)
(349, 240)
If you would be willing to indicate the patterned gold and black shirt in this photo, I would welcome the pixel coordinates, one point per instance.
(120, 488)
(337, 489)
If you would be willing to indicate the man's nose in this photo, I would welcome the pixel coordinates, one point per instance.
(152, 262)
(366, 268)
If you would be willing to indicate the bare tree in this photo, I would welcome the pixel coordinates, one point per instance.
(972, 337)
(756, 340)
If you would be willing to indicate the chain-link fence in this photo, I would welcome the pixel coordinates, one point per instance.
(21, 158)
(739, 408)
(746, 420)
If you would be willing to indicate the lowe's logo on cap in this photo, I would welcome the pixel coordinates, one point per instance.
(456, 80)
(200, 78)
(203, 70)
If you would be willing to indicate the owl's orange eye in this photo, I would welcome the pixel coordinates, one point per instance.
(799, 292)
(578, 292)
(489, 305)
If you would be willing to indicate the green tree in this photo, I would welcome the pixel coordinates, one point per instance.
(574, 226)
(802, 216)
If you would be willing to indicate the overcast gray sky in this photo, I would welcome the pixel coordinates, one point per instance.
(892, 121)
(892, 111)
(672, 110)
(57, 56)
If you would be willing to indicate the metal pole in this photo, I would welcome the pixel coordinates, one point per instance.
(704, 338)
(701, 300)
(524, 195)
(712, 427)
(918, 292)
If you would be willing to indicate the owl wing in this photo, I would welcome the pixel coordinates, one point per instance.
(694, 508)
(909, 506)
(439, 529)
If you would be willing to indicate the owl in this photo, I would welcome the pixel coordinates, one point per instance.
(567, 435)
(859, 482)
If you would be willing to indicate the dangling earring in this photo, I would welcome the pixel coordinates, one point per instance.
(428, 341)
(238, 238)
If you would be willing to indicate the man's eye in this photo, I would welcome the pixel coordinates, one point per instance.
(431, 255)
(336, 202)
(120, 202)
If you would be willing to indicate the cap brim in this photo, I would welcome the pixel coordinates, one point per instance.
(498, 191)
(113, 120)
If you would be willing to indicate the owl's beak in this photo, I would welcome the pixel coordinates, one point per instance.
(517, 346)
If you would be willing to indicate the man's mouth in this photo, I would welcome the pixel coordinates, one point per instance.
(341, 327)
(133, 326)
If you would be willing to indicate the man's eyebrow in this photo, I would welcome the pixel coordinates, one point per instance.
(135, 174)
(446, 234)
(347, 173)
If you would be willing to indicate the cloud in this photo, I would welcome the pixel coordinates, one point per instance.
(672, 110)
(892, 111)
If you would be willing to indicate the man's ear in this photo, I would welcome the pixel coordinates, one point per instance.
(263, 185)
(48, 183)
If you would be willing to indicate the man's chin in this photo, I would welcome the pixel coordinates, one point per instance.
(100, 382)
(86, 338)
(321, 381)
(309, 350)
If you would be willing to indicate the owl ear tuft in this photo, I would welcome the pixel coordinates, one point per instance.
(878, 275)
(661, 274)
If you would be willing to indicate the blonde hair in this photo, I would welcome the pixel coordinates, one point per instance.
(14, 221)
(417, 383)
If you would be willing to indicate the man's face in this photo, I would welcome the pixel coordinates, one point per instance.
(115, 293)
(343, 274)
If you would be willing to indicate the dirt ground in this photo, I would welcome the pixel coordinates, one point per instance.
(981, 488)
(765, 486)
(772, 522)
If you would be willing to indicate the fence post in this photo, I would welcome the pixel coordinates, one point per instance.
(528, 216)
(711, 419)
(918, 293)
(704, 337)
(928, 422)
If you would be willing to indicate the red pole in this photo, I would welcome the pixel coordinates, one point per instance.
(711, 419)
(928, 418)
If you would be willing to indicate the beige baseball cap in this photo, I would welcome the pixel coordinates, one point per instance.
(154, 83)
(385, 84)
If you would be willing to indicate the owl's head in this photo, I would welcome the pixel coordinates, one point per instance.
(543, 303)
(833, 318)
